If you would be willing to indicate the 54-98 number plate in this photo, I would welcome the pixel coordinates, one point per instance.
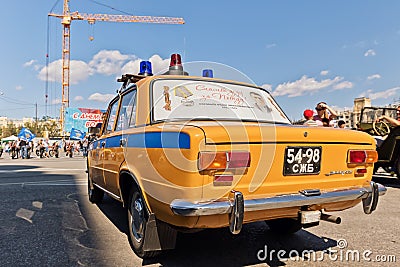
(302, 160)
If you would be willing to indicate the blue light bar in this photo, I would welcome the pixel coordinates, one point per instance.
(145, 68)
(208, 73)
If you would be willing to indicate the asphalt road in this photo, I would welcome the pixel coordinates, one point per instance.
(47, 220)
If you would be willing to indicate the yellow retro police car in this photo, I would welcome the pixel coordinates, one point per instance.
(184, 153)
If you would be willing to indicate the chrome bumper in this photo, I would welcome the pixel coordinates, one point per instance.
(368, 194)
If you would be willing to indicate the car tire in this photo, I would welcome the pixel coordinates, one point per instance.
(397, 167)
(95, 194)
(284, 226)
(137, 220)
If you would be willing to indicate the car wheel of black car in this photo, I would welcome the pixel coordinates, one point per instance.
(137, 220)
(95, 194)
(397, 167)
(284, 226)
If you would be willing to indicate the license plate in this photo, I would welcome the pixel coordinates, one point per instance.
(302, 160)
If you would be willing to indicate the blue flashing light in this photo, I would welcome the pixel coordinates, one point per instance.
(208, 73)
(145, 68)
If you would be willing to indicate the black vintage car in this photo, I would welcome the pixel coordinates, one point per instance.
(387, 136)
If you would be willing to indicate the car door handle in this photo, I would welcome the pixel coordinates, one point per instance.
(103, 144)
(122, 142)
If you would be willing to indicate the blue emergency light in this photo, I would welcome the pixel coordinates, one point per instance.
(145, 68)
(208, 73)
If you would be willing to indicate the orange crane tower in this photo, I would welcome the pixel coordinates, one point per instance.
(67, 17)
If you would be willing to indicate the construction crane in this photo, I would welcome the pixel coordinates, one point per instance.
(67, 17)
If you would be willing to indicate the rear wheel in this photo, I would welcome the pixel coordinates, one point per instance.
(285, 226)
(137, 220)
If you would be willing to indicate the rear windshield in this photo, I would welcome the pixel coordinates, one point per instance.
(204, 100)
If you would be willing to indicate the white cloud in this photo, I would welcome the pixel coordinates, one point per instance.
(29, 63)
(267, 87)
(324, 72)
(343, 85)
(374, 76)
(79, 71)
(369, 52)
(108, 62)
(270, 45)
(56, 101)
(158, 64)
(101, 97)
(19, 88)
(78, 98)
(303, 86)
(392, 92)
(105, 62)
(131, 67)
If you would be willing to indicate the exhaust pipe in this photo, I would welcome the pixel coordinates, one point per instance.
(331, 218)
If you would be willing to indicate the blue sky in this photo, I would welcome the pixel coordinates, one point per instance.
(302, 51)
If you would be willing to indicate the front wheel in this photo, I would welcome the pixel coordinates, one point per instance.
(137, 220)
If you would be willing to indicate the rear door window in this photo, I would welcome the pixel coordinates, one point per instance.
(127, 113)
(111, 117)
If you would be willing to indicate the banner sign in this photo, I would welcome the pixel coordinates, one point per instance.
(26, 134)
(77, 134)
(82, 118)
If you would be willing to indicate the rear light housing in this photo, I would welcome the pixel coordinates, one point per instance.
(362, 156)
(223, 160)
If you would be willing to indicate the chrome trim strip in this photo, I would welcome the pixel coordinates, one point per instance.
(187, 208)
(108, 192)
(103, 169)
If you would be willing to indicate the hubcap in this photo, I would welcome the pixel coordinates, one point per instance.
(137, 219)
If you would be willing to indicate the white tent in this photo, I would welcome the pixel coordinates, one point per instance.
(10, 138)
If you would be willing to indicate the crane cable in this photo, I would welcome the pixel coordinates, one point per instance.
(110, 7)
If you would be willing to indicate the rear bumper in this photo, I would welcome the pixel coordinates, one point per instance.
(368, 194)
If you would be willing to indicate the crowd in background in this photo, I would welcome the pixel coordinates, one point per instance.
(43, 148)
(324, 116)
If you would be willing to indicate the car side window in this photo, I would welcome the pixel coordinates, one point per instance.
(127, 113)
(111, 117)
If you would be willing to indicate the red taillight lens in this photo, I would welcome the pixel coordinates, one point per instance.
(223, 160)
(362, 156)
(357, 156)
(238, 159)
(361, 171)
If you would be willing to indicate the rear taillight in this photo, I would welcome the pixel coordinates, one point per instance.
(223, 160)
(362, 156)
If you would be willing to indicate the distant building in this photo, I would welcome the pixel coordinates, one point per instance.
(352, 117)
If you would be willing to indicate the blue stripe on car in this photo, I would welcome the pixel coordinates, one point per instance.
(149, 140)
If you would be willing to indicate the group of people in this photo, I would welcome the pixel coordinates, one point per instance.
(325, 116)
(21, 148)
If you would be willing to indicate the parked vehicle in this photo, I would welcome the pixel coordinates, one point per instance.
(387, 135)
(185, 153)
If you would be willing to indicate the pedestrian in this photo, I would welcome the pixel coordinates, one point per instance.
(308, 115)
(14, 149)
(341, 124)
(23, 148)
(324, 112)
